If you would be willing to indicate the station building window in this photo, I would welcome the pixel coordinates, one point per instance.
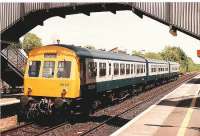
(127, 69)
(48, 69)
(64, 69)
(122, 69)
(116, 69)
(102, 69)
(34, 68)
(92, 69)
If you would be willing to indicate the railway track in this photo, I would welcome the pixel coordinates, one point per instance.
(100, 120)
(160, 90)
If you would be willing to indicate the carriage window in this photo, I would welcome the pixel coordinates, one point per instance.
(127, 68)
(92, 69)
(34, 68)
(141, 68)
(64, 69)
(122, 69)
(109, 68)
(102, 69)
(131, 68)
(48, 69)
(138, 69)
(116, 69)
(134, 68)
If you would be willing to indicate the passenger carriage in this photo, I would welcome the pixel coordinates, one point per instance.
(71, 76)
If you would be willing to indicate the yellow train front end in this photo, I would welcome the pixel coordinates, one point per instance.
(52, 75)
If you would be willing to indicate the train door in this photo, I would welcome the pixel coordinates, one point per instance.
(82, 71)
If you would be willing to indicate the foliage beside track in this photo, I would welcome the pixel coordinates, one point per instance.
(31, 41)
(170, 53)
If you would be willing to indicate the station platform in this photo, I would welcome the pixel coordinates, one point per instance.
(8, 101)
(176, 114)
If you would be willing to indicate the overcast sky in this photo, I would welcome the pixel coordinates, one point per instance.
(106, 30)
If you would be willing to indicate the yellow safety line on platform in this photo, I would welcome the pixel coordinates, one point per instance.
(187, 118)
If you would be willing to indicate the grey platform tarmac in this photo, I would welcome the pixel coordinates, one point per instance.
(176, 114)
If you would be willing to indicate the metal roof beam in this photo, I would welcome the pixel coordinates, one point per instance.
(137, 12)
(86, 13)
(113, 11)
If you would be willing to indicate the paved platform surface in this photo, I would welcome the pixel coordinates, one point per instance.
(177, 114)
(8, 101)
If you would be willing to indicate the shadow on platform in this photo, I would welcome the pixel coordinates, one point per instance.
(181, 102)
(116, 122)
(194, 81)
(163, 126)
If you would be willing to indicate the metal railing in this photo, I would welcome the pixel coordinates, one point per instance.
(15, 57)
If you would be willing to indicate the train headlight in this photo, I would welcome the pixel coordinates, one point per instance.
(63, 93)
(29, 91)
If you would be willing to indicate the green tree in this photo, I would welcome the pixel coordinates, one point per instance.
(153, 55)
(176, 54)
(137, 53)
(31, 41)
(192, 66)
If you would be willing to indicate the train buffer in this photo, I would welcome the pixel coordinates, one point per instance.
(176, 114)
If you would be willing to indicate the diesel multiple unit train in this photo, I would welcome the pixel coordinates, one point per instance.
(80, 79)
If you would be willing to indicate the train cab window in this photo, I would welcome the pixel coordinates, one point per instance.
(116, 69)
(109, 68)
(102, 69)
(48, 69)
(64, 69)
(92, 69)
(131, 68)
(127, 69)
(122, 69)
(34, 68)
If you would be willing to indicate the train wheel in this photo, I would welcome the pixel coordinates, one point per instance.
(95, 105)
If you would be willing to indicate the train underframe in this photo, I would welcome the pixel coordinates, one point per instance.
(40, 107)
